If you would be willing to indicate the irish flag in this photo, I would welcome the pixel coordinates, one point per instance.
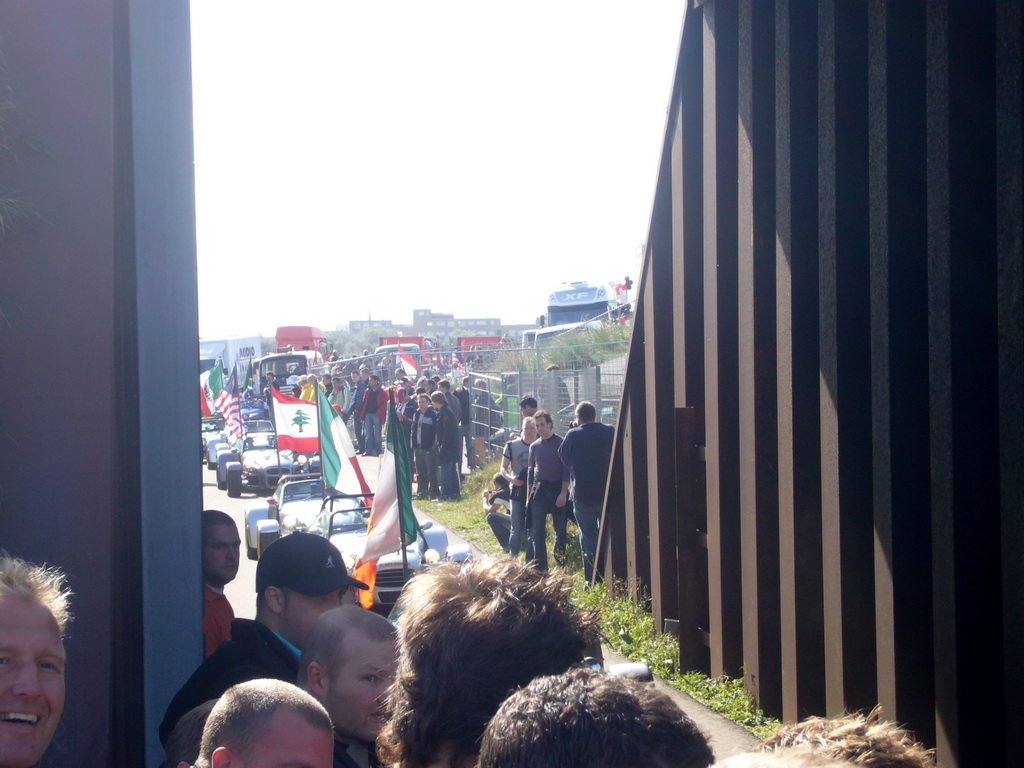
(392, 523)
(296, 423)
(337, 454)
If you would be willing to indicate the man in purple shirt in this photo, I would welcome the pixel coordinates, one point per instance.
(547, 489)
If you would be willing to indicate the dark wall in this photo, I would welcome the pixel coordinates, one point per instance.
(833, 289)
(98, 357)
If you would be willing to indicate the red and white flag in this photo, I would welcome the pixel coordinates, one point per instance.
(296, 423)
(408, 365)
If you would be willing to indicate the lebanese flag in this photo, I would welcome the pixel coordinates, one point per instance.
(296, 423)
(392, 521)
(337, 454)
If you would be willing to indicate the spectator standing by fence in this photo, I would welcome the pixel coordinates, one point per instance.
(466, 420)
(515, 464)
(586, 451)
(422, 436)
(448, 447)
(547, 491)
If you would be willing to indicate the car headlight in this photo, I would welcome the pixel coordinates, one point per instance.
(288, 522)
(431, 557)
(350, 560)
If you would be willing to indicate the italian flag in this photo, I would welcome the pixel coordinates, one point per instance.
(296, 423)
(392, 522)
(337, 454)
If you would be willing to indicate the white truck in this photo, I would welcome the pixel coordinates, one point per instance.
(233, 352)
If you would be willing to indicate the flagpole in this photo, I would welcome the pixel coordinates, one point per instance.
(399, 486)
(320, 444)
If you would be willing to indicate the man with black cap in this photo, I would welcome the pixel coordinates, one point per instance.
(298, 578)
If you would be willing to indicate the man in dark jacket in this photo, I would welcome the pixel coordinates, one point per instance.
(466, 421)
(298, 577)
(449, 446)
(424, 452)
(358, 394)
(586, 451)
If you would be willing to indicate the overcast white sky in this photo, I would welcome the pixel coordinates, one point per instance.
(357, 159)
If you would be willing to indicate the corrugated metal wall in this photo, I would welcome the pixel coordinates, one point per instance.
(818, 465)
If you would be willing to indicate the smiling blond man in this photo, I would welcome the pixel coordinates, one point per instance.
(33, 617)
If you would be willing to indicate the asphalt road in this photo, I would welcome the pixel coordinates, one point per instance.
(241, 592)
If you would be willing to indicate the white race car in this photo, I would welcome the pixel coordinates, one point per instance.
(343, 520)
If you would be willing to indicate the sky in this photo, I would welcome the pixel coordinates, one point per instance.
(358, 160)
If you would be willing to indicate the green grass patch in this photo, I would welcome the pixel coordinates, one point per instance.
(629, 630)
(628, 624)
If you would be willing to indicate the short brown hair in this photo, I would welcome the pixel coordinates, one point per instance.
(469, 636)
(586, 412)
(41, 583)
(326, 641)
(438, 397)
(543, 415)
(865, 740)
(590, 719)
(185, 738)
(245, 710)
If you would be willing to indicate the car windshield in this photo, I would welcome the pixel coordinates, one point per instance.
(301, 490)
(346, 521)
(261, 440)
(259, 426)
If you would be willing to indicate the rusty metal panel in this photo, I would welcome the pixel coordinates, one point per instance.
(659, 374)
(722, 432)
(899, 363)
(801, 602)
(848, 359)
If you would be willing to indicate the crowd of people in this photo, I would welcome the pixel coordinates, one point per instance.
(486, 667)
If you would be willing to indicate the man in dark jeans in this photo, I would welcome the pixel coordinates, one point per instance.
(547, 491)
(586, 451)
(446, 438)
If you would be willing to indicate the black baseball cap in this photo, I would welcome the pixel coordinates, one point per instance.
(306, 563)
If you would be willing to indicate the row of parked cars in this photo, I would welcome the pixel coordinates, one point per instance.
(298, 501)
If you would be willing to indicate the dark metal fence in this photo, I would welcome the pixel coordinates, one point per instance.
(818, 465)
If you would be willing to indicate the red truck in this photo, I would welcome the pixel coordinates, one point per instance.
(303, 338)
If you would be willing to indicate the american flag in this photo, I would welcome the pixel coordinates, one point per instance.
(230, 407)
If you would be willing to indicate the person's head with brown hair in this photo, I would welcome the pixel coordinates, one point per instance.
(469, 636)
(261, 722)
(183, 743)
(864, 740)
(590, 719)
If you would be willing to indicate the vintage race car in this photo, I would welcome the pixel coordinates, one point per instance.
(211, 428)
(291, 490)
(343, 520)
(259, 466)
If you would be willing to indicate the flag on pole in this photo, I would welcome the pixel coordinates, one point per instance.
(408, 365)
(232, 410)
(296, 423)
(250, 375)
(392, 522)
(341, 468)
(457, 365)
(223, 393)
(211, 383)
